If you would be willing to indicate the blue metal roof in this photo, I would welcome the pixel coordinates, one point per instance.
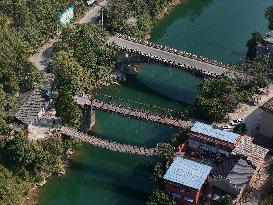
(187, 173)
(215, 132)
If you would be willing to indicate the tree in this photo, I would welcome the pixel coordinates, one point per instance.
(19, 154)
(158, 172)
(12, 187)
(164, 151)
(252, 44)
(160, 198)
(210, 109)
(226, 200)
(269, 16)
(240, 129)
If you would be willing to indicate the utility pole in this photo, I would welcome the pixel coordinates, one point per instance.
(102, 17)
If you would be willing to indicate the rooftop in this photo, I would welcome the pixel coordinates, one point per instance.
(187, 173)
(215, 132)
(268, 105)
(254, 153)
(29, 111)
(236, 170)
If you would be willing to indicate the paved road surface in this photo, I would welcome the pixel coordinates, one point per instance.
(169, 56)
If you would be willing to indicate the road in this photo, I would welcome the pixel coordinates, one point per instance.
(251, 114)
(42, 58)
(169, 56)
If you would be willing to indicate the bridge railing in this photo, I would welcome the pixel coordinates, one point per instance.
(174, 51)
(138, 105)
(172, 63)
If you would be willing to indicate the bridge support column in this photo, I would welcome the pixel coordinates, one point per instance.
(88, 118)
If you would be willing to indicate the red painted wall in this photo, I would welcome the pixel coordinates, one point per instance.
(171, 187)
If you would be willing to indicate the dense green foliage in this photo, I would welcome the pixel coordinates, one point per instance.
(217, 97)
(37, 21)
(160, 198)
(269, 16)
(252, 44)
(165, 151)
(23, 162)
(240, 129)
(226, 200)
(144, 13)
(12, 187)
(17, 74)
(82, 61)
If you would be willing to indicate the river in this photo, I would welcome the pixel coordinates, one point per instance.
(216, 29)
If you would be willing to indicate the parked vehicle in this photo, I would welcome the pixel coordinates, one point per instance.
(237, 121)
(227, 127)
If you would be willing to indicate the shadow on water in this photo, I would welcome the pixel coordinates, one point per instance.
(135, 86)
(98, 176)
(130, 131)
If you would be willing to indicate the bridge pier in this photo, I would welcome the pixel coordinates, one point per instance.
(88, 118)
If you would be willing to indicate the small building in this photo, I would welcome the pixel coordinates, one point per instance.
(230, 178)
(266, 123)
(209, 138)
(33, 108)
(185, 179)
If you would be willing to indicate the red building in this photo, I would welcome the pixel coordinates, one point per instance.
(185, 179)
(209, 138)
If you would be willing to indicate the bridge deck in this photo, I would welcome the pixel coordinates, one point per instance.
(143, 115)
(105, 144)
(164, 55)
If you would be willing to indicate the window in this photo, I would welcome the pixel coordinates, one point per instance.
(188, 199)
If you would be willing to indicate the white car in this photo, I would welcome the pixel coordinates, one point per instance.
(226, 127)
(236, 122)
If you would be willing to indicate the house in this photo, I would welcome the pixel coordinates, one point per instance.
(266, 123)
(33, 108)
(230, 177)
(185, 179)
(209, 138)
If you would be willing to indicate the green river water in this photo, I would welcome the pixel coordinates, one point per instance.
(216, 29)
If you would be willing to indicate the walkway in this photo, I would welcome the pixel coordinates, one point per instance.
(179, 59)
(140, 114)
(113, 146)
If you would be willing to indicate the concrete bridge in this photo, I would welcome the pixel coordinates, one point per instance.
(173, 57)
(105, 144)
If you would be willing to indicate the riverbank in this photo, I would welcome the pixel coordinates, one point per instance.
(32, 196)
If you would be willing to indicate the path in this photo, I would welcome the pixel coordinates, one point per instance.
(110, 145)
(42, 58)
(140, 114)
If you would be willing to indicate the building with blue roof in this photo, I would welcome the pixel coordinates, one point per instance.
(211, 139)
(215, 132)
(184, 180)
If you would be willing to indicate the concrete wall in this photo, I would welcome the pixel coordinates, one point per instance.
(266, 124)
